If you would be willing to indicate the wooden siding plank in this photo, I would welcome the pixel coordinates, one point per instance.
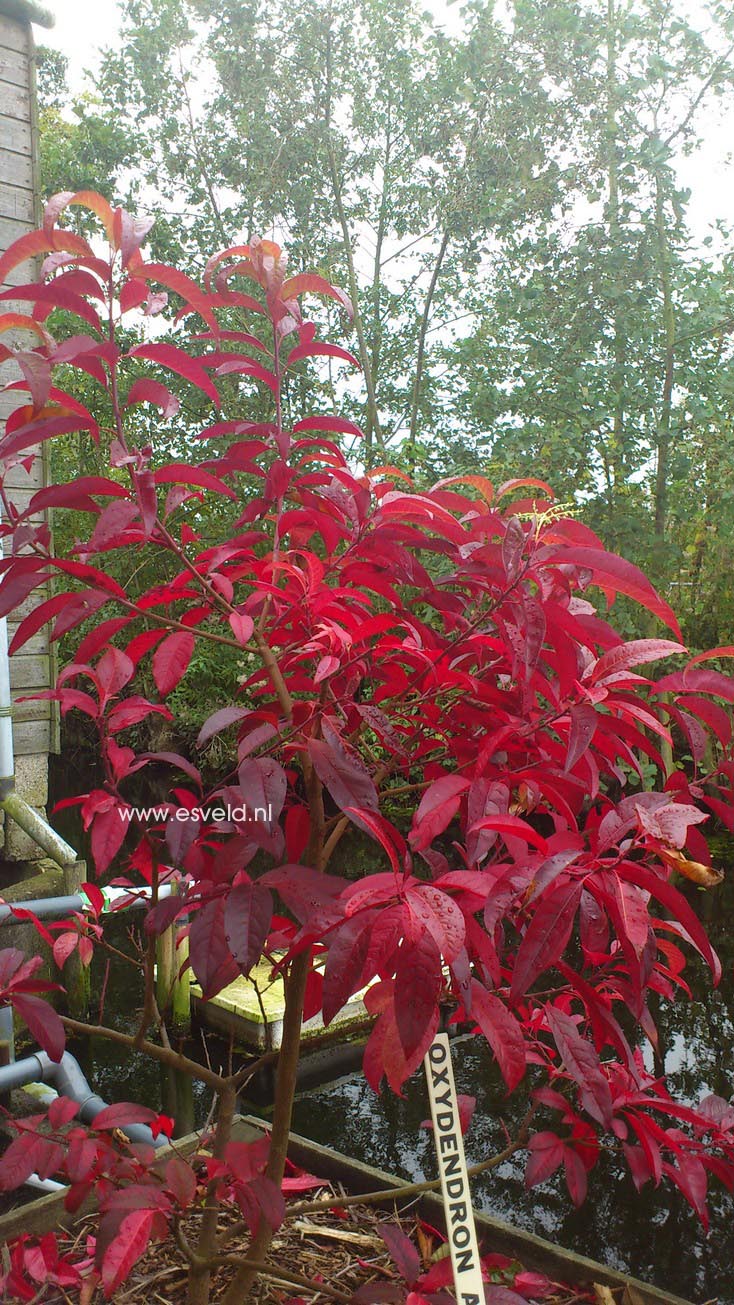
(19, 478)
(24, 712)
(32, 738)
(14, 35)
(29, 673)
(16, 202)
(37, 645)
(11, 228)
(16, 170)
(16, 137)
(14, 67)
(15, 101)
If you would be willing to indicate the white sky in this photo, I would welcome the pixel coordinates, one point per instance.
(84, 26)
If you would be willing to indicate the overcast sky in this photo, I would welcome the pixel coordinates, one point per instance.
(84, 26)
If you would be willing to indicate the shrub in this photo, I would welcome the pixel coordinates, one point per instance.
(427, 666)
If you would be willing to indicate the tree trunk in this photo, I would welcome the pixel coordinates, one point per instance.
(295, 990)
(662, 472)
(617, 450)
(421, 354)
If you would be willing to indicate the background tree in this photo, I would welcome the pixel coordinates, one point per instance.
(502, 203)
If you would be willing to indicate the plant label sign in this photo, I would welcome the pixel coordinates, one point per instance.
(452, 1170)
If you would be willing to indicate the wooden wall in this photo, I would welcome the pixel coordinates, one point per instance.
(34, 722)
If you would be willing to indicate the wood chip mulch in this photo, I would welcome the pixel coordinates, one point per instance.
(338, 1250)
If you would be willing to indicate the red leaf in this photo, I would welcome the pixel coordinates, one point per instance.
(342, 772)
(633, 653)
(339, 424)
(583, 727)
(18, 1162)
(576, 1178)
(326, 667)
(679, 908)
(61, 1111)
(180, 473)
(145, 390)
(126, 1249)
(582, 1063)
(39, 242)
(220, 720)
(177, 360)
(389, 838)
(43, 1023)
(439, 914)
(438, 806)
(309, 281)
(242, 627)
(57, 295)
(402, 1251)
(247, 914)
(547, 934)
(192, 294)
(122, 1113)
(617, 576)
(545, 1156)
(418, 982)
(318, 350)
(348, 950)
(108, 835)
(181, 1181)
(211, 959)
(514, 826)
(171, 659)
(63, 948)
(502, 1031)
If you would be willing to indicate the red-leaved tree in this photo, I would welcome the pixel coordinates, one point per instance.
(429, 666)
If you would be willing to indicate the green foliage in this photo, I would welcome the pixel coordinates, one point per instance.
(503, 203)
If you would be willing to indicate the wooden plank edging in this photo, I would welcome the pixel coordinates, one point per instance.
(533, 1252)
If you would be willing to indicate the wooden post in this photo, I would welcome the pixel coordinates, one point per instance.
(76, 977)
(181, 996)
(165, 967)
(5, 1059)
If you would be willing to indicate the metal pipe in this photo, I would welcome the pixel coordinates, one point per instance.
(57, 907)
(68, 1078)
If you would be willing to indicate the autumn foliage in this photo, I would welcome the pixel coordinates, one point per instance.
(435, 668)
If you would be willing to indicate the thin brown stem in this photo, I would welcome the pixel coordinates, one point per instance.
(200, 1272)
(256, 1267)
(166, 1056)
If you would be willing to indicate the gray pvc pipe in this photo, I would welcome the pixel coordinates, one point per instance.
(44, 1184)
(56, 907)
(43, 907)
(68, 1078)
